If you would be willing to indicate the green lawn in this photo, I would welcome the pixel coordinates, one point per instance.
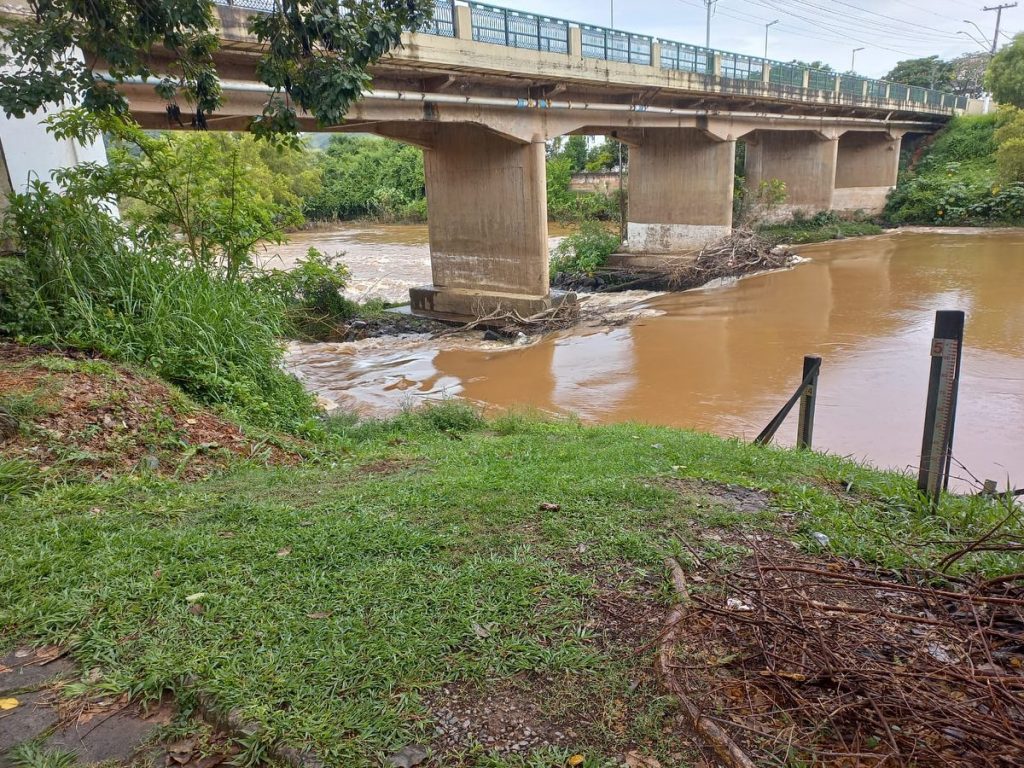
(339, 597)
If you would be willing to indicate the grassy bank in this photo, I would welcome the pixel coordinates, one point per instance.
(435, 563)
(818, 228)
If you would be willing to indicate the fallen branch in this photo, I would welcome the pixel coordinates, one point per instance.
(715, 737)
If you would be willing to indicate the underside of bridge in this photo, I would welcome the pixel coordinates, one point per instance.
(482, 114)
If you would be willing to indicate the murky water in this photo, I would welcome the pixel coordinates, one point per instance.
(724, 360)
(384, 259)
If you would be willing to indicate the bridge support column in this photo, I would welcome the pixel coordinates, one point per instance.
(866, 169)
(487, 203)
(680, 189)
(804, 160)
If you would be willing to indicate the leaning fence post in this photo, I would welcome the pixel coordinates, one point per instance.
(940, 408)
(805, 426)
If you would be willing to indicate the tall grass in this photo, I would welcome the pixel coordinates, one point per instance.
(91, 281)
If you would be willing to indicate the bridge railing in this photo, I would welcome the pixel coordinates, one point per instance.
(733, 72)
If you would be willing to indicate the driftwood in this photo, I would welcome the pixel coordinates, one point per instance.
(716, 738)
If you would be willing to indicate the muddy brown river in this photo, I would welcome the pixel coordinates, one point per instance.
(724, 359)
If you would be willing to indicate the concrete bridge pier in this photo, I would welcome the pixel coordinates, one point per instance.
(804, 160)
(680, 189)
(487, 222)
(866, 168)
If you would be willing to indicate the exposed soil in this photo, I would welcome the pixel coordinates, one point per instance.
(84, 416)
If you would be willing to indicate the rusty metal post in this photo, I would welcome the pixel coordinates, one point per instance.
(940, 408)
(805, 426)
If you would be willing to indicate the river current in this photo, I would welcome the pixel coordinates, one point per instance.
(724, 359)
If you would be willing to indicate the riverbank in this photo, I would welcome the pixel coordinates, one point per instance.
(406, 588)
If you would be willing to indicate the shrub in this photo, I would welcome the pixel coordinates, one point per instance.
(312, 294)
(585, 251)
(97, 282)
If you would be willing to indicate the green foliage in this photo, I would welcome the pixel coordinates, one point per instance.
(221, 194)
(957, 180)
(565, 204)
(822, 226)
(585, 251)
(926, 72)
(314, 55)
(1009, 138)
(576, 151)
(312, 293)
(1005, 75)
(369, 177)
(17, 477)
(32, 754)
(137, 295)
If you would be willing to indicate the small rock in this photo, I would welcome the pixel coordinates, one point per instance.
(151, 462)
(547, 506)
(490, 335)
(821, 538)
(407, 757)
(521, 339)
(357, 324)
(735, 604)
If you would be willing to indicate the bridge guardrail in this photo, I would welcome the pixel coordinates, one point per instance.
(517, 29)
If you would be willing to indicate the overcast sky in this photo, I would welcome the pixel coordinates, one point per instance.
(825, 30)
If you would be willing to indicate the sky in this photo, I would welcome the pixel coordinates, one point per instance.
(809, 30)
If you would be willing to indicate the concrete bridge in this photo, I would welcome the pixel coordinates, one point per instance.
(483, 88)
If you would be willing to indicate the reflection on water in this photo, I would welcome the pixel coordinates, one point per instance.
(724, 360)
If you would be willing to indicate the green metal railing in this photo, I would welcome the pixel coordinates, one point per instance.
(518, 29)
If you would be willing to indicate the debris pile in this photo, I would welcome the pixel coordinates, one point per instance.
(827, 661)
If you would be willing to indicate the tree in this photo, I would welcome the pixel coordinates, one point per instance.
(576, 150)
(1005, 77)
(968, 77)
(314, 58)
(927, 72)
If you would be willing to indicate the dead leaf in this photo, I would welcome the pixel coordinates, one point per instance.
(547, 506)
(284, 551)
(636, 760)
(157, 574)
(575, 760)
(319, 615)
(195, 597)
(6, 704)
(226, 534)
(482, 630)
(196, 609)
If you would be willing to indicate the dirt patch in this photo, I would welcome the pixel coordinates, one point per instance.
(84, 416)
(528, 712)
(737, 498)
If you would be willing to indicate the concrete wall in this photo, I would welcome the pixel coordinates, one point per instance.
(804, 160)
(867, 164)
(595, 182)
(680, 189)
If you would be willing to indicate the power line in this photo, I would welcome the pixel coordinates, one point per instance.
(869, 26)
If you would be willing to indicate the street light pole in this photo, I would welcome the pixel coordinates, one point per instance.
(853, 59)
(708, 4)
(766, 26)
(611, 13)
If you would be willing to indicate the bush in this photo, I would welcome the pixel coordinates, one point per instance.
(585, 251)
(957, 181)
(312, 294)
(92, 281)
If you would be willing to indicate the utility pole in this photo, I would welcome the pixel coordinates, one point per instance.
(766, 26)
(853, 58)
(999, 17)
(708, 4)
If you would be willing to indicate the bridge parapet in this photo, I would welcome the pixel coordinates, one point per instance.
(708, 70)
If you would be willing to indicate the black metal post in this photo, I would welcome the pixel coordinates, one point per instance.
(940, 408)
(805, 426)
